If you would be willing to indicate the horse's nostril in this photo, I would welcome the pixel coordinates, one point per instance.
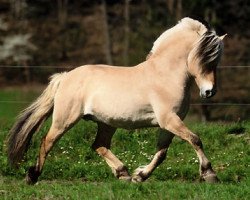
(208, 92)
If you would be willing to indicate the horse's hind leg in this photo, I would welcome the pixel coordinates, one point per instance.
(47, 143)
(62, 121)
(164, 140)
(102, 146)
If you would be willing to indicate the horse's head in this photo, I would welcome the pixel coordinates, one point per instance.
(195, 43)
(203, 60)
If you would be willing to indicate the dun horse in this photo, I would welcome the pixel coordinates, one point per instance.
(155, 93)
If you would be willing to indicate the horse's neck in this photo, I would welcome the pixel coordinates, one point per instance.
(174, 64)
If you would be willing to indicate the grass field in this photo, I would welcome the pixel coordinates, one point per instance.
(74, 171)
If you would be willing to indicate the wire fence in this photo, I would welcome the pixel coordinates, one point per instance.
(72, 67)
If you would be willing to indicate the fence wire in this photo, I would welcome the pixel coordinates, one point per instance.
(72, 67)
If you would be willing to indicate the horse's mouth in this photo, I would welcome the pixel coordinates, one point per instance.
(207, 94)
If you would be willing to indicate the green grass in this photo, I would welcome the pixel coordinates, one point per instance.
(74, 171)
(77, 189)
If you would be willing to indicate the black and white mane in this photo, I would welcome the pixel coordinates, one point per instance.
(209, 49)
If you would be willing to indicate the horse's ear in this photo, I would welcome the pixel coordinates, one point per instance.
(222, 37)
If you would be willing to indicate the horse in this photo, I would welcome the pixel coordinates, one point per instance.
(154, 93)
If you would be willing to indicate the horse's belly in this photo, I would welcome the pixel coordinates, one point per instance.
(132, 122)
(128, 119)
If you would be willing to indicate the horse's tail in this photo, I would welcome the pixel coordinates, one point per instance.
(30, 120)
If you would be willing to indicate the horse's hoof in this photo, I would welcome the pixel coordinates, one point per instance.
(29, 180)
(32, 176)
(122, 173)
(138, 175)
(210, 178)
(137, 179)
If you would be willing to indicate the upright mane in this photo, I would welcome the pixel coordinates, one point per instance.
(207, 50)
(186, 23)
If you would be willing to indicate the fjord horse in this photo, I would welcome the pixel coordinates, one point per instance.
(155, 93)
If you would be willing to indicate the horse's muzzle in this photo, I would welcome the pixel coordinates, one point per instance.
(207, 93)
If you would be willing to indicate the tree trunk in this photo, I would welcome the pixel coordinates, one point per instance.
(62, 15)
(62, 11)
(127, 32)
(170, 5)
(27, 73)
(205, 113)
(16, 8)
(107, 44)
(179, 10)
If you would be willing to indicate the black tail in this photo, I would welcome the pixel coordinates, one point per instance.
(30, 120)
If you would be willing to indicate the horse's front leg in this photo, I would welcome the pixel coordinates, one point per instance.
(174, 124)
(102, 146)
(143, 172)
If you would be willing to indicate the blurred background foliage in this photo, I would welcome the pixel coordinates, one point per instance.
(70, 32)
